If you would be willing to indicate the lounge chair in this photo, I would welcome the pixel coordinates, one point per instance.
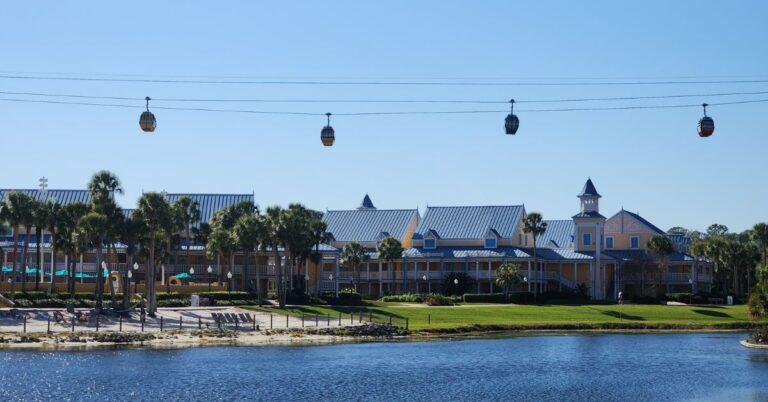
(229, 317)
(245, 318)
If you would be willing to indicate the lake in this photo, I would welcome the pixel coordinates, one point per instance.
(658, 367)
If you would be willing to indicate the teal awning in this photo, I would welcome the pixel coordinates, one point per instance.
(61, 272)
(82, 275)
(7, 270)
(183, 275)
(32, 271)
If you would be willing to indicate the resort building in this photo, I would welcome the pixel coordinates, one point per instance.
(588, 253)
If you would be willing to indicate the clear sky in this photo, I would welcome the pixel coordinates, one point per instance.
(648, 161)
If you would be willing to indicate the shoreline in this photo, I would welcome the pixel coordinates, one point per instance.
(192, 339)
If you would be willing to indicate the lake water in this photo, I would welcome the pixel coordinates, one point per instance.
(675, 367)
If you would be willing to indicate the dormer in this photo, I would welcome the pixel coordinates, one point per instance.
(491, 239)
(430, 239)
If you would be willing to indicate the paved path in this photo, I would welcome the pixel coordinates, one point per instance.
(190, 318)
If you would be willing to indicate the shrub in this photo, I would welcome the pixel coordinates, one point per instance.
(564, 297)
(484, 298)
(347, 297)
(173, 303)
(437, 300)
(645, 300)
(404, 298)
(759, 336)
(272, 295)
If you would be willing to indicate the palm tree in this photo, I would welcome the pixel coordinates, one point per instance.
(67, 238)
(352, 256)
(104, 185)
(54, 215)
(390, 249)
(275, 234)
(154, 213)
(40, 218)
(507, 275)
(187, 213)
(221, 244)
(249, 233)
(130, 234)
(535, 225)
(320, 235)
(18, 212)
(662, 247)
(93, 227)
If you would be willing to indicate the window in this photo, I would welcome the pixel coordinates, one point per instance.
(430, 243)
(634, 242)
(519, 238)
(587, 239)
(490, 242)
(609, 242)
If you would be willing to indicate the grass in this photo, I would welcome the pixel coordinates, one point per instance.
(498, 316)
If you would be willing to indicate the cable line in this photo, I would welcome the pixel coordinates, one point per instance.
(378, 83)
(384, 101)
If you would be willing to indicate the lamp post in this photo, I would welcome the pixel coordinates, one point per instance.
(136, 281)
(191, 272)
(335, 288)
(424, 278)
(690, 298)
(229, 277)
(130, 276)
(306, 283)
(209, 269)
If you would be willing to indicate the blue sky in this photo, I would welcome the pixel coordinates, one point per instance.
(648, 161)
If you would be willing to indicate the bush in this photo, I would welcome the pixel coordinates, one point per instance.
(564, 297)
(272, 295)
(437, 300)
(759, 336)
(484, 298)
(347, 297)
(645, 300)
(404, 298)
(173, 303)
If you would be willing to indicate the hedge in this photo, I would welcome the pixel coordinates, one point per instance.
(485, 298)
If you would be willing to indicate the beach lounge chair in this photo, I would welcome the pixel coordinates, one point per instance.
(229, 317)
(245, 318)
(216, 317)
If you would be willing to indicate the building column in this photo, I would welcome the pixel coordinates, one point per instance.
(530, 278)
(429, 280)
(336, 274)
(575, 274)
(381, 280)
(368, 273)
(81, 269)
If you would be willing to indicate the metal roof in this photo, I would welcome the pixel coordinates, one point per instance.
(61, 196)
(365, 225)
(556, 254)
(559, 234)
(643, 255)
(645, 222)
(367, 203)
(465, 252)
(589, 190)
(679, 239)
(590, 214)
(470, 222)
(210, 203)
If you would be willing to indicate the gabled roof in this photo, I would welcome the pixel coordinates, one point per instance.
(367, 203)
(470, 222)
(590, 214)
(679, 239)
(210, 203)
(559, 234)
(589, 190)
(61, 196)
(643, 255)
(365, 225)
(645, 222)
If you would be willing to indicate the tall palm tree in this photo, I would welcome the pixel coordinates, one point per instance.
(104, 185)
(54, 215)
(187, 213)
(390, 249)
(662, 247)
(154, 213)
(67, 238)
(249, 233)
(352, 256)
(275, 233)
(93, 227)
(221, 244)
(14, 207)
(40, 218)
(130, 233)
(320, 235)
(534, 225)
(507, 275)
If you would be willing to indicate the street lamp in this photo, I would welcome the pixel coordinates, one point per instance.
(690, 282)
(136, 282)
(209, 269)
(229, 276)
(130, 276)
(424, 278)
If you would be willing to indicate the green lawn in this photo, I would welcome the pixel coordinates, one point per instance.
(421, 317)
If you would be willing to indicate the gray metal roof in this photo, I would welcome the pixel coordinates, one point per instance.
(590, 214)
(559, 234)
(470, 222)
(61, 196)
(643, 255)
(466, 252)
(365, 225)
(210, 203)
